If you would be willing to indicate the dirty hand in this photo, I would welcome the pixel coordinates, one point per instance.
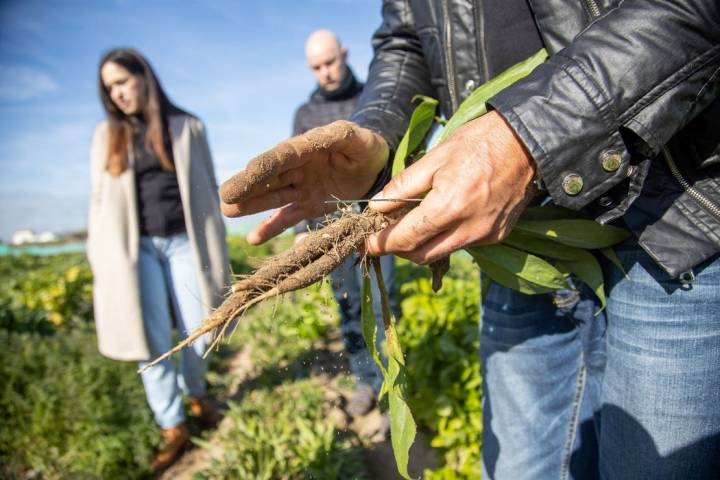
(477, 182)
(339, 160)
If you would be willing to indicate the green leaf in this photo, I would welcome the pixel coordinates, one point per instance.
(367, 322)
(541, 246)
(402, 423)
(575, 233)
(518, 270)
(474, 105)
(420, 123)
(549, 212)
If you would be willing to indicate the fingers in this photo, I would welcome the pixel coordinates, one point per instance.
(275, 224)
(413, 182)
(285, 156)
(272, 199)
(260, 170)
(411, 232)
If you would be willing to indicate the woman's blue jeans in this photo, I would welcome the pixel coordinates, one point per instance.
(631, 393)
(170, 293)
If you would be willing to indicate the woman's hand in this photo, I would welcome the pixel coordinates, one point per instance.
(339, 160)
(477, 183)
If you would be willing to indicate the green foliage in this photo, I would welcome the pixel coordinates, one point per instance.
(282, 332)
(67, 412)
(474, 105)
(420, 123)
(279, 429)
(37, 293)
(283, 433)
(402, 423)
(440, 336)
(543, 231)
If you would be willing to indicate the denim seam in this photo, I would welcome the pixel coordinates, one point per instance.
(574, 416)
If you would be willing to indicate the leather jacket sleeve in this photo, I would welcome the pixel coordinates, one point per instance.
(397, 73)
(625, 85)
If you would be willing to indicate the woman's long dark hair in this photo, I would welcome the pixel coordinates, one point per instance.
(155, 112)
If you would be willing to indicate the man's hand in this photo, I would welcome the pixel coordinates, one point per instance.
(478, 182)
(340, 160)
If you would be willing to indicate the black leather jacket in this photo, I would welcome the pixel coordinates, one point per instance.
(628, 104)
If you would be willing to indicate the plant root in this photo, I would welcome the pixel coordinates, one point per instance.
(298, 267)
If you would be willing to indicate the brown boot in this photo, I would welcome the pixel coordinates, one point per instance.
(204, 410)
(174, 441)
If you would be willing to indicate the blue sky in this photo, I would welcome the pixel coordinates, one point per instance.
(238, 65)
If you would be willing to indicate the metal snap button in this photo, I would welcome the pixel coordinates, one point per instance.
(610, 160)
(470, 86)
(572, 184)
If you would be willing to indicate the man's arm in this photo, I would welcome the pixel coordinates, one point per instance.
(625, 85)
(343, 159)
(397, 73)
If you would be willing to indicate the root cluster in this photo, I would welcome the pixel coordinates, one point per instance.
(298, 267)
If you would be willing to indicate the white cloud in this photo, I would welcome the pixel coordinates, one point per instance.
(19, 83)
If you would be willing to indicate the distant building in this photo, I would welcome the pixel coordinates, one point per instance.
(23, 237)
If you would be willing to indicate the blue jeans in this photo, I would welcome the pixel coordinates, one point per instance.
(170, 293)
(631, 394)
(346, 281)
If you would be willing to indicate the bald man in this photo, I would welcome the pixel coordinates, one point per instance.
(334, 99)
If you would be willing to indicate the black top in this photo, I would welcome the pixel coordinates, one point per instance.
(325, 107)
(510, 34)
(160, 209)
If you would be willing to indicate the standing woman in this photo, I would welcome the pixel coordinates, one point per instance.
(156, 240)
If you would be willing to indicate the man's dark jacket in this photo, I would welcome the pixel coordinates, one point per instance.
(322, 108)
(634, 81)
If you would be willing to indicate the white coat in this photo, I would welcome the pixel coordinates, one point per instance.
(113, 237)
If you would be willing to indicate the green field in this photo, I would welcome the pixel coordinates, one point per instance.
(70, 413)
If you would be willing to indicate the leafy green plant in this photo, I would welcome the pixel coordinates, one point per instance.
(439, 332)
(69, 413)
(548, 243)
(546, 247)
(283, 433)
(298, 321)
(39, 293)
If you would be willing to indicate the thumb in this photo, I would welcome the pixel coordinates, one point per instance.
(413, 182)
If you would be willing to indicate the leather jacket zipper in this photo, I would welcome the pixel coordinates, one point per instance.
(593, 8)
(693, 192)
(480, 28)
(452, 87)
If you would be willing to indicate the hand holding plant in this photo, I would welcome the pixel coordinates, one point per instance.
(477, 182)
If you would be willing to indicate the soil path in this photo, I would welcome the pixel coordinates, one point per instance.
(327, 364)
